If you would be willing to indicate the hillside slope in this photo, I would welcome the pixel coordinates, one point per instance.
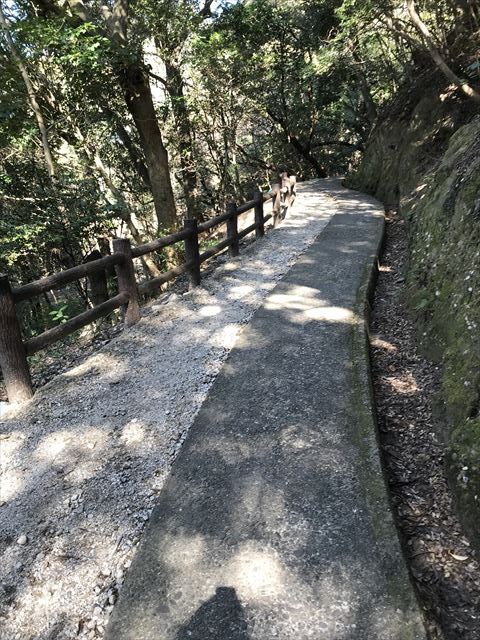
(425, 156)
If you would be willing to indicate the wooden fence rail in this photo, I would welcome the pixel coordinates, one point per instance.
(14, 349)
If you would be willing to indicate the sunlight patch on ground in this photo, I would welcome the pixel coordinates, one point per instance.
(11, 486)
(224, 337)
(240, 291)
(256, 572)
(379, 343)
(210, 310)
(293, 438)
(133, 433)
(64, 445)
(10, 444)
(330, 314)
(303, 301)
(404, 383)
(53, 445)
(110, 366)
(185, 552)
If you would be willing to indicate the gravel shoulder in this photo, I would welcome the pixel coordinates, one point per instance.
(82, 464)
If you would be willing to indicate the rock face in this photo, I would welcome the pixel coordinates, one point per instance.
(427, 159)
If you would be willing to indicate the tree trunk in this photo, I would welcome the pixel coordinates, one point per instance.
(175, 88)
(138, 96)
(134, 153)
(31, 95)
(366, 95)
(148, 261)
(363, 87)
(303, 150)
(308, 156)
(93, 159)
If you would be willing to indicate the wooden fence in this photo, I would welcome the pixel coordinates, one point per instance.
(14, 349)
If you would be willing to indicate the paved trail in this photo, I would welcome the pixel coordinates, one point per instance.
(274, 522)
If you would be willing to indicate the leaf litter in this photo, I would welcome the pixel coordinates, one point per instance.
(442, 562)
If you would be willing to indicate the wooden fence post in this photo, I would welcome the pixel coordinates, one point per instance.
(260, 225)
(126, 280)
(97, 280)
(293, 189)
(192, 252)
(232, 229)
(277, 200)
(286, 191)
(13, 357)
(105, 250)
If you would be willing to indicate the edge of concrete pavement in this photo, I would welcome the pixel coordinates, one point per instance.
(374, 481)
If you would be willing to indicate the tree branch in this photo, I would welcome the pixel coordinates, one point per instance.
(255, 160)
(436, 55)
(159, 78)
(340, 143)
(206, 10)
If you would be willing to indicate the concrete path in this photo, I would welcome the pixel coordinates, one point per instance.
(274, 522)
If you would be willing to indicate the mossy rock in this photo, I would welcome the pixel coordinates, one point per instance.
(463, 463)
(444, 294)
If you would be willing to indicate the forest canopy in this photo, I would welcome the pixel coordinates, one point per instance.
(120, 118)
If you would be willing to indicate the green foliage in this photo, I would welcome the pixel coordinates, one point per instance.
(60, 314)
(257, 87)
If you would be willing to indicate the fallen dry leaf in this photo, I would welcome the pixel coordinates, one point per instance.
(458, 557)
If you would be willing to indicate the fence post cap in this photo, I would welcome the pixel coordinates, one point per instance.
(231, 207)
(4, 283)
(121, 241)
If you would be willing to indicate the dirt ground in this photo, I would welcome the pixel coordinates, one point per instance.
(443, 565)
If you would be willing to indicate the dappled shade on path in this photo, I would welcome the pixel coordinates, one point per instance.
(277, 493)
